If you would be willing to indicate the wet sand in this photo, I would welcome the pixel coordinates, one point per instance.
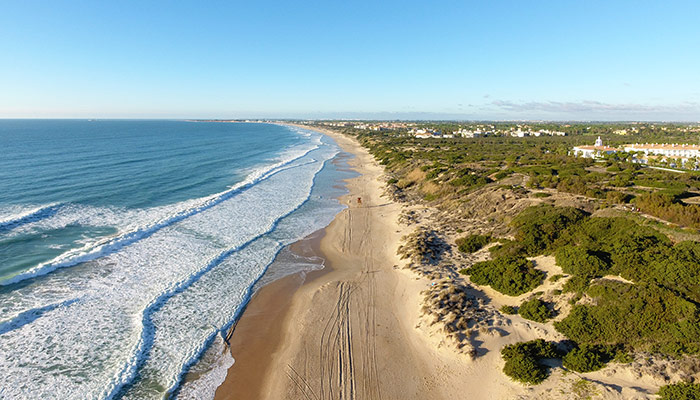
(346, 332)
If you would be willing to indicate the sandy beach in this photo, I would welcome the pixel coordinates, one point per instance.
(344, 332)
(355, 329)
(366, 327)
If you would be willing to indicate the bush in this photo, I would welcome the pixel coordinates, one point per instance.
(667, 206)
(641, 316)
(680, 391)
(510, 310)
(525, 369)
(616, 197)
(512, 276)
(523, 360)
(540, 227)
(586, 358)
(577, 284)
(555, 277)
(472, 243)
(582, 264)
(535, 310)
(506, 248)
(542, 194)
(502, 174)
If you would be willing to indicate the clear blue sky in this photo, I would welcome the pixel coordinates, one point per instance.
(606, 60)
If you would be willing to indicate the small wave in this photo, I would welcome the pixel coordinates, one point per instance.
(31, 315)
(107, 246)
(26, 217)
(142, 348)
(204, 387)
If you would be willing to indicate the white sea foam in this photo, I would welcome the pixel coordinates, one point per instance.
(133, 319)
(218, 360)
(155, 221)
(14, 216)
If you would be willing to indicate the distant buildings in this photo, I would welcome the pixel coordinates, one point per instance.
(681, 153)
(644, 153)
(669, 150)
(421, 133)
(468, 133)
(520, 132)
(595, 151)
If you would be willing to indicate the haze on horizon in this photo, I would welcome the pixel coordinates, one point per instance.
(550, 60)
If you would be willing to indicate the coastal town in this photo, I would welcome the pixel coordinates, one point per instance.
(462, 129)
(651, 149)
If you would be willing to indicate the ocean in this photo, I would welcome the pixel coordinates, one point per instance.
(128, 248)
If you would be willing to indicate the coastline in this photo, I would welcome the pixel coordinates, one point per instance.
(257, 334)
(345, 330)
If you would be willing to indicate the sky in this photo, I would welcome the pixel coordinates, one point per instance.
(471, 60)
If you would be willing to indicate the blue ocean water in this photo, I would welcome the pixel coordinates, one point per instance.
(128, 247)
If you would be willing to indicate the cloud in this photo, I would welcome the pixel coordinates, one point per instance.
(596, 108)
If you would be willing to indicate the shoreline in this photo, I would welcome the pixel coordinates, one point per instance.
(345, 330)
(256, 336)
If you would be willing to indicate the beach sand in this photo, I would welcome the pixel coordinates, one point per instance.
(356, 329)
(345, 332)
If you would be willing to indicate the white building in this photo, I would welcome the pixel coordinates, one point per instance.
(466, 133)
(595, 151)
(682, 151)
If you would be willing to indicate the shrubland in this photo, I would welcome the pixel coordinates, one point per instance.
(512, 276)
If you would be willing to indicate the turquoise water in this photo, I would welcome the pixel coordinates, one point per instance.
(128, 247)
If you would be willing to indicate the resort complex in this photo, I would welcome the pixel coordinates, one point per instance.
(676, 155)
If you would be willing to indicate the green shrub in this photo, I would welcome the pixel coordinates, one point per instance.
(541, 194)
(535, 310)
(540, 227)
(525, 369)
(538, 348)
(469, 178)
(579, 261)
(392, 181)
(506, 248)
(623, 357)
(667, 206)
(640, 316)
(523, 360)
(512, 276)
(680, 391)
(501, 175)
(586, 358)
(510, 310)
(615, 197)
(472, 243)
(555, 277)
(577, 284)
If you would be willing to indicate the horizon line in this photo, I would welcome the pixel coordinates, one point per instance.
(242, 119)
